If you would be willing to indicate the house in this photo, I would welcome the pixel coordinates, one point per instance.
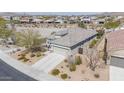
(36, 20)
(73, 19)
(115, 41)
(60, 21)
(86, 19)
(117, 66)
(16, 18)
(115, 52)
(25, 19)
(49, 21)
(100, 21)
(6, 17)
(72, 41)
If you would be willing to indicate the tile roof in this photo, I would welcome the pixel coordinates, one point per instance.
(115, 40)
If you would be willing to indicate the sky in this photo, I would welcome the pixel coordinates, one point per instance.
(48, 13)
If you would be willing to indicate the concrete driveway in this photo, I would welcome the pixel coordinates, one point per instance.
(49, 62)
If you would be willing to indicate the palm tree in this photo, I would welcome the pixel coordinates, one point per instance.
(29, 39)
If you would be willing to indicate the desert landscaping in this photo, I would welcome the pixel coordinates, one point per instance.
(82, 72)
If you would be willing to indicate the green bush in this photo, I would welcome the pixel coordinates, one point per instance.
(78, 60)
(72, 67)
(38, 54)
(100, 34)
(64, 76)
(55, 72)
(82, 25)
(111, 24)
(93, 43)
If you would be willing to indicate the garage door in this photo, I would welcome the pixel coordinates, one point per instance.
(61, 51)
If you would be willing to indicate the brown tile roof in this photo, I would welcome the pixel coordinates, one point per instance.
(115, 40)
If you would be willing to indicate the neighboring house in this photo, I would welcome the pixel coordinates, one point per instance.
(25, 19)
(16, 18)
(6, 17)
(117, 66)
(36, 20)
(100, 21)
(72, 20)
(71, 42)
(115, 51)
(60, 21)
(49, 21)
(115, 41)
(86, 20)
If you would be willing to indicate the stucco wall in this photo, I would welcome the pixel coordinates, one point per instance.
(116, 73)
(116, 68)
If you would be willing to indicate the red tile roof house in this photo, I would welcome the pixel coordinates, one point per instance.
(115, 49)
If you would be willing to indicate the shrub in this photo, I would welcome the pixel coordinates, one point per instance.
(65, 60)
(32, 55)
(111, 24)
(82, 25)
(61, 66)
(92, 44)
(21, 58)
(23, 55)
(18, 49)
(78, 60)
(72, 67)
(55, 72)
(25, 60)
(96, 75)
(99, 34)
(64, 76)
(38, 54)
(67, 66)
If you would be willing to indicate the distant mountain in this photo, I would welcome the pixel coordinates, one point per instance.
(48, 13)
(12, 14)
(63, 13)
(113, 13)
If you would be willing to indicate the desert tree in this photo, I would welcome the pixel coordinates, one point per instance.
(92, 58)
(29, 39)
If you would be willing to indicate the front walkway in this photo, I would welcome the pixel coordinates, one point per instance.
(49, 62)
